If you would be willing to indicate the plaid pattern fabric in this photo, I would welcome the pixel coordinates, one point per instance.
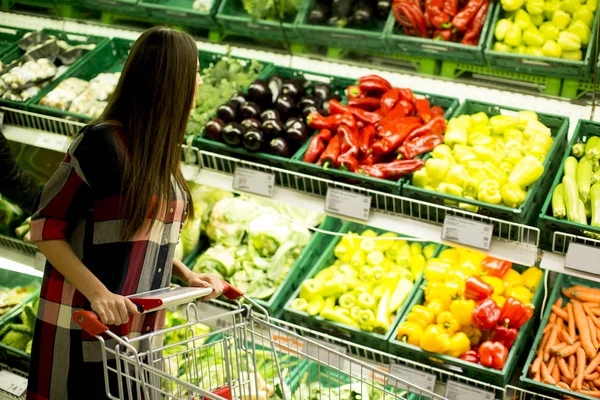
(80, 204)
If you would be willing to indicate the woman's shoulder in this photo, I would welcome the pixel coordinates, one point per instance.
(96, 138)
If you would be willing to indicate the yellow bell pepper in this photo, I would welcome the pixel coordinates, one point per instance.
(366, 301)
(473, 333)
(499, 300)
(365, 318)
(309, 289)
(456, 273)
(315, 306)
(511, 278)
(531, 278)
(459, 344)
(443, 152)
(489, 192)
(420, 178)
(456, 132)
(485, 153)
(496, 283)
(437, 169)
(512, 195)
(299, 304)
(383, 245)
(448, 322)
(358, 258)
(421, 315)
(520, 293)
(369, 233)
(450, 255)
(435, 340)
(435, 269)
(347, 301)
(454, 289)
(410, 332)
(462, 311)
(417, 264)
(438, 306)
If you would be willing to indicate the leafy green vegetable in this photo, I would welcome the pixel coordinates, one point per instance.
(268, 9)
(229, 219)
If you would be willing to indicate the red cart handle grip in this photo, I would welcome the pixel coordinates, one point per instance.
(89, 322)
(231, 292)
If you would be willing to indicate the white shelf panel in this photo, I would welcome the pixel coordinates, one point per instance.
(37, 138)
(556, 262)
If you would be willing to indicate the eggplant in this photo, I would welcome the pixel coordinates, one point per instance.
(269, 114)
(319, 14)
(296, 132)
(363, 13)
(309, 101)
(290, 122)
(279, 147)
(294, 88)
(250, 110)
(309, 109)
(285, 105)
(341, 9)
(227, 112)
(273, 128)
(238, 99)
(251, 123)
(233, 133)
(275, 86)
(322, 91)
(259, 93)
(213, 129)
(253, 140)
(383, 8)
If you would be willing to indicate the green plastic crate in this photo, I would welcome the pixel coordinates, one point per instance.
(529, 210)
(109, 58)
(546, 66)
(12, 279)
(114, 6)
(465, 368)
(548, 224)
(562, 281)
(18, 356)
(358, 336)
(339, 85)
(9, 37)
(235, 20)
(69, 37)
(450, 104)
(367, 38)
(63, 8)
(576, 88)
(437, 49)
(180, 12)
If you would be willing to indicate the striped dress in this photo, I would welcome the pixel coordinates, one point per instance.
(80, 204)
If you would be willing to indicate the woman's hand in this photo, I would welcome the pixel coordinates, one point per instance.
(112, 309)
(206, 281)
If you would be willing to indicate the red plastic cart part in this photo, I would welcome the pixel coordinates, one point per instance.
(231, 292)
(224, 392)
(146, 304)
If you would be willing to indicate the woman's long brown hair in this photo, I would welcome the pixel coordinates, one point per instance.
(153, 101)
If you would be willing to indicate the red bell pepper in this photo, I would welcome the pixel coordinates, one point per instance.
(354, 92)
(493, 355)
(367, 117)
(406, 94)
(331, 153)
(514, 313)
(451, 7)
(477, 289)
(436, 126)
(374, 85)
(486, 314)
(348, 158)
(375, 78)
(402, 109)
(496, 267)
(410, 17)
(317, 145)
(434, 9)
(437, 111)
(393, 136)
(443, 34)
(462, 19)
(389, 100)
(393, 170)
(420, 145)
(368, 159)
(471, 36)
(423, 109)
(504, 335)
(470, 356)
(365, 103)
(366, 139)
(317, 121)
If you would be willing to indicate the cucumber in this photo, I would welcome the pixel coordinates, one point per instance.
(584, 178)
(558, 202)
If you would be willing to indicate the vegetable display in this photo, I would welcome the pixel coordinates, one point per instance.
(171, 338)
(368, 282)
(342, 13)
(11, 297)
(577, 197)
(378, 133)
(491, 159)
(253, 244)
(266, 9)
(270, 118)
(473, 307)
(11, 216)
(221, 81)
(18, 334)
(449, 21)
(568, 354)
(548, 28)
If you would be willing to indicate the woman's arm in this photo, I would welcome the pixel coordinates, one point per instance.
(180, 271)
(111, 308)
(195, 279)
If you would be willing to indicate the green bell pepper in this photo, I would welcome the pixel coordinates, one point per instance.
(580, 29)
(534, 7)
(502, 123)
(437, 169)
(501, 28)
(549, 31)
(299, 304)
(456, 132)
(551, 49)
(449, 188)
(513, 35)
(522, 19)
(443, 152)
(347, 301)
(585, 15)
(550, 7)
(419, 178)
(570, 6)
(366, 301)
(569, 41)
(315, 306)
(489, 192)
(457, 175)
(561, 19)
(512, 5)
(499, 46)
(535, 51)
(526, 172)
(512, 195)
(533, 37)
(537, 19)
(575, 55)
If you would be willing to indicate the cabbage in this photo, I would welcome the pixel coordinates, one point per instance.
(228, 220)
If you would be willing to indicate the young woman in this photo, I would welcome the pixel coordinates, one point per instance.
(110, 217)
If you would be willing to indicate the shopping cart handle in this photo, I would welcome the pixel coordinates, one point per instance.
(89, 322)
(231, 292)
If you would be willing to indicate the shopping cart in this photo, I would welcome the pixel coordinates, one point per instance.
(245, 356)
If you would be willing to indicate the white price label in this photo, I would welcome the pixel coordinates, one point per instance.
(348, 204)
(326, 353)
(53, 142)
(255, 182)
(467, 232)
(421, 379)
(207, 313)
(583, 258)
(460, 391)
(12, 383)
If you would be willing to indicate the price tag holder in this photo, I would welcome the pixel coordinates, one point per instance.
(12, 383)
(583, 258)
(348, 204)
(422, 379)
(255, 182)
(467, 232)
(53, 142)
(460, 391)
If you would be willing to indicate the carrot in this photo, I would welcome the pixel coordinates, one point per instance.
(597, 382)
(585, 289)
(591, 393)
(567, 292)
(552, 318)
(557, 347)
(550, 342)
(569, 350)
(548, 327)
(591, 367)
(571, 320)
(593, 332)
(572, 362)
(584, 295)
(546, 377)
(551, 365)
(585, 386)
(563, 386)
(592, 386)
(564, 335)
(590, 314)
(584, 329)
(581, 358)
(592, 376)
(556, 373)
(535, 366)
(564, 368)
(596, 311)
(560, 312)
(558, 302)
